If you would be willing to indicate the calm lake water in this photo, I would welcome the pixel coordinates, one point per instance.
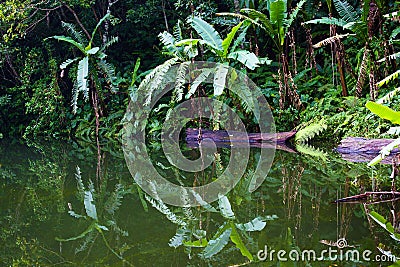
(47, 217)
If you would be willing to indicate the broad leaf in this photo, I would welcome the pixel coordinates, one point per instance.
(207, 32)
(384, 112)
(226, 43)
(69, 40)
(201, 243)
(257, 224)
(220, 79)
(247, 58)
(235, 237)
(379, 219)
(93, 51)
(89, 206)
(82, 77)
(216, 245)
(225, 207)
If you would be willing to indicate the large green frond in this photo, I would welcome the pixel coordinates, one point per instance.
(345, 10)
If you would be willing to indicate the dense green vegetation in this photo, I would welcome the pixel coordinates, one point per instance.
(311, 59)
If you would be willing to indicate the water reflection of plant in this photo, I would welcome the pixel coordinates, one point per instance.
(99, 223)
(195, 232)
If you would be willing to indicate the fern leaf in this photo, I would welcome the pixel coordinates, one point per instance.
(207, 32)
(331, 40)
(109, 71)
(345, 10)
(389, 78)
(178, 238)
(304, 148)
(390, 57)
(201, 78)
(110, 42)
(155, 78)
(310, 131)
(220, 79)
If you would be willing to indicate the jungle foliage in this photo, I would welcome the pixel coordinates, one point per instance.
(313, 61)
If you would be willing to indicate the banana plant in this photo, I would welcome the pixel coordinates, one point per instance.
(277, 24)
(225, 49)
(91, 63)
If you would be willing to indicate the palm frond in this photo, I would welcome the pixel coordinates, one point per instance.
(331, 40)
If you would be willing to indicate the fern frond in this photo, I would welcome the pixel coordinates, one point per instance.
(178, 238)
(74, 100)
(331, 40)
(362, 72)
(345, 10)
(199, 79)
(310, 131)
(388, 97)
(389, 78)
(115, 200)
(304, 148)
(73, 32)
(181, 80)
